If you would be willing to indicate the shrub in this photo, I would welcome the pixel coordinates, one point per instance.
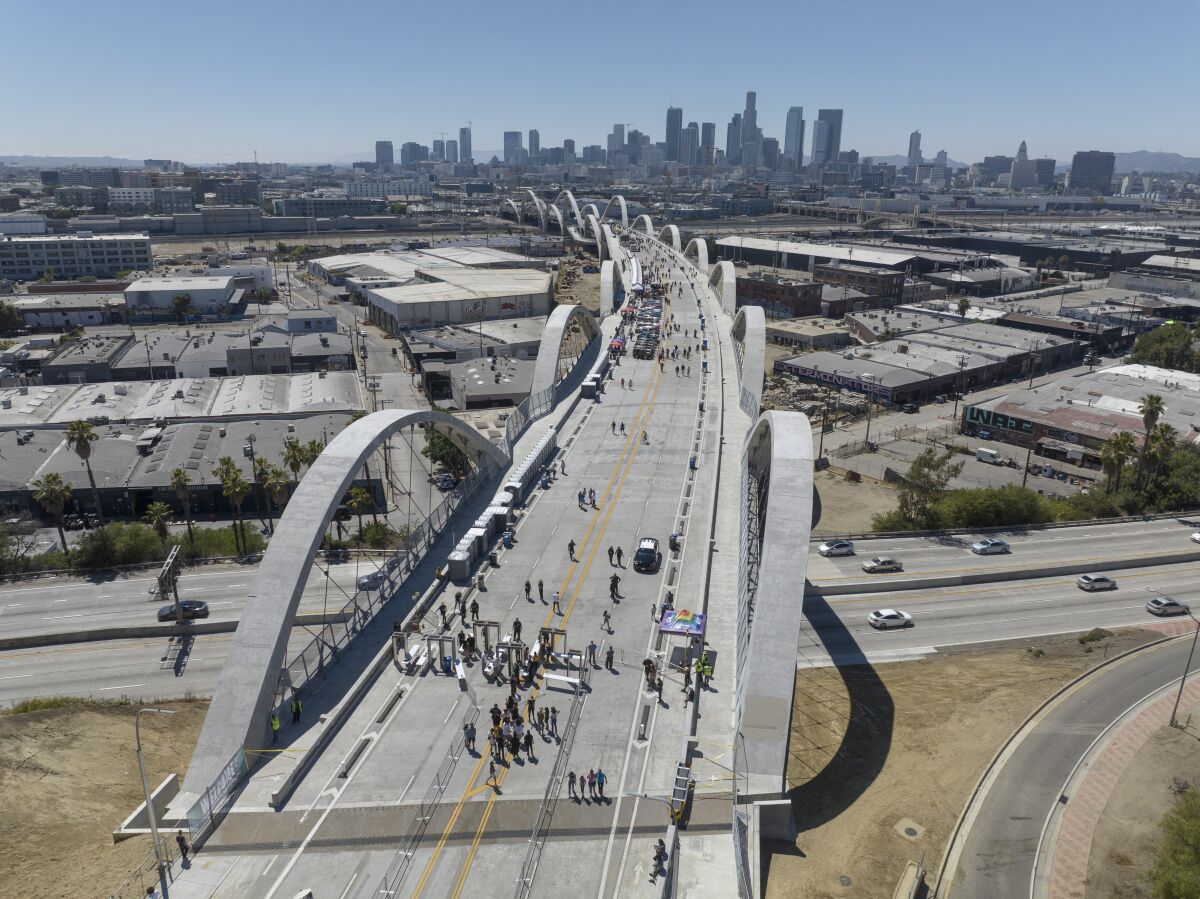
(853, 476)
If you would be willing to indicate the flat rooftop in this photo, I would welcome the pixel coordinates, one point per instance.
(182, 283)
(65, 302)
(841, 252)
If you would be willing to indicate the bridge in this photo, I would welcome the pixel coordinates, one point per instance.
(381, 794)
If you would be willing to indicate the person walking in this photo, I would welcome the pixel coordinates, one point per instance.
(274, 728)
(592, 653)
(614, 427)
(517, 628)
(592, 496)
(608, 658)
(557, 609)
(622, 427)
(553, 718)
(687, 679)
(442, 614)
(184, 848)
(601, 779)
(541, 591)
(527, 744)
(528, 590)
(652, 616)
(474, 610)
(297, 708)
(610, 556)
(620, 556)
(571, 550)
(689, 697)
(613, 583)
(591, 782)
(571, 785)
(469, 736)
(530, 707)
(659, 859)
(492, 772)
(606, 621)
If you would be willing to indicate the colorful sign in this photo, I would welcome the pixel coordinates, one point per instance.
(681, 621)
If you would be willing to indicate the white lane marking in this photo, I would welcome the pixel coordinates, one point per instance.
(406, 786)
(77, 615)
(14, 676)
(452, 708)
(345, 892)
(121, 687)
(268, 867)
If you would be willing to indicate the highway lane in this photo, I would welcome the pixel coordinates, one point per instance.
(952, 616)
(72, 604)
(950, 554)
(1001, 838)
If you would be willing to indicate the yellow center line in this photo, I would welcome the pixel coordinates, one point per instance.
(470, 789)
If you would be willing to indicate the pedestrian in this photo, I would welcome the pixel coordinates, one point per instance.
(610, 556)
(645, 438)
(571, 784)
(658, 685)
(530, 706)
(492, 772)
(442, 613)
(557, 609)
(474, 610)
(613, 583)
(297, 708)
(592, 653)
(659, 859)
(622, 427)
(517, 628)
(592, 496)
(571, 549)
(495, 712)
(690, 697)
(622, 383)
(614, 427)
(687, 679)
(689, 371)
(554, 720)
(514, 745)
(600, 781)
(608, 658)
(541, 591)
(543, 719)
(606, 621)
(528, 589)
(707, 673)
(528, 744)
(579, 498)
(620, 555)
(469, 736)
(182, 843)
(562, 466)
(591, 782)
(274, 728)
(652, 607)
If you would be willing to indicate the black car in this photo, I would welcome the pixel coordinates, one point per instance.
(647, 557)
(192, 609)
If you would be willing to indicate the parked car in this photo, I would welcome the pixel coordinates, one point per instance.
(1164, 605)
(446, 482)
(341, 554)
(884, 619)
(990, 547)
(1092, 582)
(837, 548)
(370, 581)
(880, 564)
(910, 408)
(192, 609)
(647, 558)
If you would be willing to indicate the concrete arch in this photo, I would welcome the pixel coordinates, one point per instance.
(776, 507)
(570, 198)
(620, 201)
(608, 294)
(597, 233)
(697, 249)
(749, 335)
(555, 213)
(558, 331)
(540, 205)
(516, 210)
(590, 209)
(670, 236)
(643, 222)
(723, 282)
(245, 692)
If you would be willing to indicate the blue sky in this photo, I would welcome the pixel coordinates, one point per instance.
(304, 81)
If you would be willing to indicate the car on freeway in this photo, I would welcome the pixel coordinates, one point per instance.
(1164, 605)
(1196, 537)
(1092, 582)
(192, 609)
(885, 619)
(837, 548)
(647, 557)
(990, 547)
(370, 581)
(881, 564)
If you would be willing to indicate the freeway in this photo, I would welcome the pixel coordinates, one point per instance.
(950, 554)
(951, 616)
(388, 752)
(1003, 828)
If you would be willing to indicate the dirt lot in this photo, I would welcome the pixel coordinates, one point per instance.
(1127, 833)
(905, 756)
(69, 776)
(847, 507)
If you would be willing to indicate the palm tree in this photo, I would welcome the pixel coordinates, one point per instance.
(964, 306)
(80, 437)
(157, 515)
(275, 484)
(294, 456)
(52, 493)
(1152, 408)
(1162, 442)
(235, 487)
(359, 500)
(179, 483)
(1119, 450)
(312, 450)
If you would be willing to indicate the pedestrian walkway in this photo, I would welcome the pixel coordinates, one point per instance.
(1061, 871)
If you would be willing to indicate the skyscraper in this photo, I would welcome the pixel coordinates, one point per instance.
(941, 159)
(439, 151)
(1022, 153)
(464, 145)
(1092, 172)
(512, 147)
(451, 151)
(535, 142)
(708, 138)
(914, 148)
(751, 133)
(674, 132)
(383, 154)
(616, 142)
(770, 154)
(689, 144)
(833, 138)
(733, 140)
(793, 136)
(820, 142)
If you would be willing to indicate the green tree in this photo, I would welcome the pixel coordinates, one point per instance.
(235, 488)
(1168, 346)
(1114, 456)
(1160, 447)
(181, 305)
(52, 493)
(80, 437)
(10, 319)
(312, 450)
(275, 485)
(1175, 873)
(157, 515)
(293, 456)
(964, 306)
(441, 450)
(179, 483)
(992, 507)
(1063, 261)
(358, 501)
(1152, 408)
(924, 485)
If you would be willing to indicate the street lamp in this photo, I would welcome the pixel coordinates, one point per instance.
(137, 733)
(1186, 668)
(872, 380)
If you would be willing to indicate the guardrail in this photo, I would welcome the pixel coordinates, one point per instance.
(145, 875)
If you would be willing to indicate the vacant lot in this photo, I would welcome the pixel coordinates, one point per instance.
(69, 776)
(848, 507)
(881, 778)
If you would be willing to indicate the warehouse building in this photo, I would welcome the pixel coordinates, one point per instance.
(26, 258)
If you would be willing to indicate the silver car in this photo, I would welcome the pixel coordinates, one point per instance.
(1090, 582)
(990, 547)
(881, 564)
(1164, 605)
(884, 619)
(837, 548)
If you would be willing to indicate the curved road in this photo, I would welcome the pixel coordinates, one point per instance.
(997, 855)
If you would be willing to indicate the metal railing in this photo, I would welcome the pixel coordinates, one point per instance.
(145, 875)
(213, 802)
(402, 861)
(545, 813)
(530, 410)
(742, 825)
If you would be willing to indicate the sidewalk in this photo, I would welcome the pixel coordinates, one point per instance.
(1061, 869)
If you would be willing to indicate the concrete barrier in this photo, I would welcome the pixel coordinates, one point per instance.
(932, 582)
(138, 822)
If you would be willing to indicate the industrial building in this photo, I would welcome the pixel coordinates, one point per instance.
(63, 311)
(26, 258)
(813, 333)
(207, 294)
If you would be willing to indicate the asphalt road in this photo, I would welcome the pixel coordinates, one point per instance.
(998, 852)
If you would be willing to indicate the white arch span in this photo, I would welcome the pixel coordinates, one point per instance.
(749, 333)
(697, 249)
(558, 328)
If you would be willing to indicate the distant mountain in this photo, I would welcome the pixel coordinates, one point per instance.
(51, 162)
(1147, 161)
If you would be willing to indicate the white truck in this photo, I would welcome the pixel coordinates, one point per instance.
(983, 454)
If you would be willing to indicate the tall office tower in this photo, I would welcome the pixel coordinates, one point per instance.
(464, 145)
(833, 137)
(1044, 169)
(512, 147)
(674, 132)
(708, 138)
(1092, 172)
(940, 159)
(451, 151)
(820, 142)
(733, 140)
(914, 148)
(568, 152)
(535, 142)
(751, 133)
(439, 151)
(770, 153)
(616, 142)
(383, 154)
(689, 144)
(793, 136)
(1022, 153)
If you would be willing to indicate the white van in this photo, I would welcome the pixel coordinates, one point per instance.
(983, 454)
